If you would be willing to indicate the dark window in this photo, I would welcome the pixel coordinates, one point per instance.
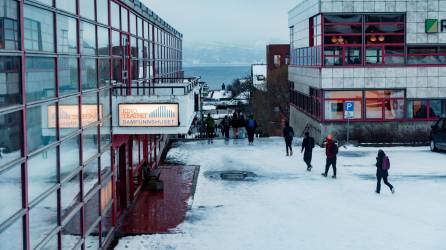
(10, 85)
(40, 78)
(89, 73)
(10, 132)
(68, 75)
(103, 41)
(37, 125)
(66, 34)
(9, 26)
(117, 69)
(39, 33)
(114, 12)
(86, 8)
(67, 5)
(374, 55)
(88, 38)
(102, 13)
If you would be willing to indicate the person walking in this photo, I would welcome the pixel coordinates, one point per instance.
(331, 151)
(288, 135)
(251, 126)
(382, 171)
(307, 149)
(235, 125)
(210, 129)
(242, 125)
(225, 125)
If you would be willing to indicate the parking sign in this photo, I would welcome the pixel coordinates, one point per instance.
(349, 110)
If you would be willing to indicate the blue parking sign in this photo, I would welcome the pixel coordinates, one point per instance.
(349, 106)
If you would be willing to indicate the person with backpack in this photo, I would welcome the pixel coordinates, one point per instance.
(251, 126)
(382, 171)
(288, 135)
(210, 129)
(331, 151)
(307, 146)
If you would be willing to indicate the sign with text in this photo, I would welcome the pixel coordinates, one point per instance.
(69, 115)
(149, 115)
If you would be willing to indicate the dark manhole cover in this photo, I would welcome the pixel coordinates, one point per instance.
(232, 175)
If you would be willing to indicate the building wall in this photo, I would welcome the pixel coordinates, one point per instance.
(273, 50)
(298, 19)
(58, 164)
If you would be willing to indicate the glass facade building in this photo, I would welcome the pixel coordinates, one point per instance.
(59, 60)
(382, 57)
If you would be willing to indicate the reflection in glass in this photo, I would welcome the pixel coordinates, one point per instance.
(42, 219)
(114, 12)
(42, 173)
(394, 109)
(39, 31)
(124, 19)
(68, 75)
(86, 8)
(90, 176)
(374, 109)
(106, 162)
(68, 115)
(10, 93)
(14, 231)
(104, 72)
(89, 74)
(9, 26)
(40, 78)
(69, 151)
(66, 34)
(71, 232)
(90, 143)
(70, 192)
(104, 99)
(67, 5)
(102, 15)
(11, 186)
(132, 23)
(88, 38)
(90, 109)
(103, 44)
(38, 134)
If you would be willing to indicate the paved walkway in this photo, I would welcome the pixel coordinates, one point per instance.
(160, 212)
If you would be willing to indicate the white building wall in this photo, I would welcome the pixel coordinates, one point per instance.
(304, 78)
(299, 18)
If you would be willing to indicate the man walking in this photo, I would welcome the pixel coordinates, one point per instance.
(331, 151)
(288, 135)
(307, 146)
(251, 126)
(210, 129)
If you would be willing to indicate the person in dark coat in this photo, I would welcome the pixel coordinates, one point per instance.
(210, 129)
(331, 151)
(225, 125)
(381, 173)
(307, 146)
(251, 126)
(288, 135)
(235, 125)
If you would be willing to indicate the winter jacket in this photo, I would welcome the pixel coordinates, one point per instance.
(331, 149)
(308, 144)
(251, 124)
(210, 123)
(235, 122)
(380, 172)
(288, 133)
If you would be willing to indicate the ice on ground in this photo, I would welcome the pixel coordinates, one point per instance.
(286, 207)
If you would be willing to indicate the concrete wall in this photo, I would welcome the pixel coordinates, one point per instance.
(298, 17)
(304, 78)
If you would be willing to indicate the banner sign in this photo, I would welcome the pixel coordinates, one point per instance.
(149, 115)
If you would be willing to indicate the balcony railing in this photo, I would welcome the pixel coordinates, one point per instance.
(157, 87)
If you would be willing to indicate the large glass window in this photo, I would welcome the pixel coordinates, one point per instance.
(67, 5)
(40, 78)
(124, 19)
(335, 101)
(38, 134)
(90, 177)
(10, 132)
(39, 31)
(10, 84)
(133, 23)
(40, 226)
(68, 75)
(86, 8)
(9, 26)
(88, 38)
(89, 74)
(70, 194)
(385, 104)
(104, 72)
(69, 151)
(90, 143)
(11, 185)
(66, 34)
(14, 231)
(103, 44)
(42, 173)
(89, 109)
(68, 115)
(116, 44)
(102, 15)
(115, 17)
(71, 231)
(426, 109)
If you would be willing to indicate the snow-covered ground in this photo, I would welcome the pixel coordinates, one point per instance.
(286, 207)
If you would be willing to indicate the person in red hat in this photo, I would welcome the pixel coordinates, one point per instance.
(331, 151)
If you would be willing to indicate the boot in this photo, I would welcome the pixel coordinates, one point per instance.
(324, 174)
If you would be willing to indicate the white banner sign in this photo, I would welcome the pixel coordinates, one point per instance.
(149, 115)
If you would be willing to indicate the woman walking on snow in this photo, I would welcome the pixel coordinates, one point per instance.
(382, 171)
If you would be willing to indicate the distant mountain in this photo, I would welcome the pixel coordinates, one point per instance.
(209, 54)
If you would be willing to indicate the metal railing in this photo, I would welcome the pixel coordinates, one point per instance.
(157, 87)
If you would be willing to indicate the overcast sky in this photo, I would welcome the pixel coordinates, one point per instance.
(230, 21)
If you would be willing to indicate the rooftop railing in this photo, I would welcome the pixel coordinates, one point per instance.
(157, 87)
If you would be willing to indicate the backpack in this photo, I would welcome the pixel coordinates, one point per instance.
(251, 123)
(386, 163)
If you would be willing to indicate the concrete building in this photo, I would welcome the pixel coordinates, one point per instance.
(259, 76)
(89, 92)
(388, 58)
